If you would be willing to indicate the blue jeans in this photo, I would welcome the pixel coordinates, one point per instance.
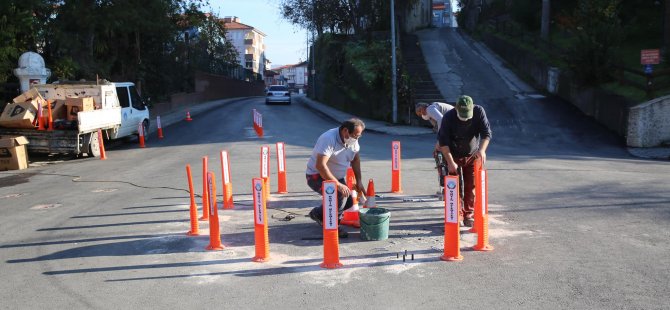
(315, 182)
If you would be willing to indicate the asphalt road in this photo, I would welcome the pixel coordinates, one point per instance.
(576, 222)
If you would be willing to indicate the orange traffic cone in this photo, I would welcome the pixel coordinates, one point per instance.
(193, 209)
(350, 216)
(188, 116)
(351, 178)
(214, 233)
(40, 118)
(103, 156)
(51, 120)
(331, 242)
(370, 202)
(140, 131)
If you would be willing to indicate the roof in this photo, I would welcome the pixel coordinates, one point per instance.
(240, 26)
(438, 6)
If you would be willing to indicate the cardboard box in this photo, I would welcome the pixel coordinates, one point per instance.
(13, 154)
(78, 104)
(58, 110)
(30, 95)
(19, 115)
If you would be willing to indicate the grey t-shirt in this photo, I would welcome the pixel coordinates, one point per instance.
(330, 144)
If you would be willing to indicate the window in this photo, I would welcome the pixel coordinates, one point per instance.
(138, 103)
(249, 64)
(122, 92)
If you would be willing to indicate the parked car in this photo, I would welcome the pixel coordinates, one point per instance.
(278, 93)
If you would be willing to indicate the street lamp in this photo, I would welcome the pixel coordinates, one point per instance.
(394, 87)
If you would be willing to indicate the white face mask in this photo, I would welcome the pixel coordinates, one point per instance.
(350, 141)
(425, 117)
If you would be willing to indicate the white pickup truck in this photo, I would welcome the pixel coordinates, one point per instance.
(120, 111)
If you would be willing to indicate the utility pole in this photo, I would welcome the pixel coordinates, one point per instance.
(544, 30)
(313, 53)
(393, 65)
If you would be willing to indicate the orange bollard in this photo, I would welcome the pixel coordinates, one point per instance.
(481, 209)
(140, 131)
(258, 123)
(205, 203)
(265, 169)
(214, 234)
(396, 186)
(351, 178)
(51, 120)
(188, 116)
(193, 209)
(281, 169)
(331, 241)
(160, 128)
(40, 119)
(103, 156)
(351, 217)
(227, 184)
(452, 235)
(370, 202)
(260, 222)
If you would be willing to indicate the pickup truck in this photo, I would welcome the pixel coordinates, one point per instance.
(119, 112)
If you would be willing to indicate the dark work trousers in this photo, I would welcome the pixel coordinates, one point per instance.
(467, 165)
(315, 182)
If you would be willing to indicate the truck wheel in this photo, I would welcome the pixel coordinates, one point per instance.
(94, 145)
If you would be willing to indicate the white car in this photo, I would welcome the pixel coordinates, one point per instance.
(278, 93)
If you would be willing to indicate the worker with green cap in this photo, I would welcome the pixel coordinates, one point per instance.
(464, 137)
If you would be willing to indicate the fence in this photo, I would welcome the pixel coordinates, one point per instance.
(649, 83)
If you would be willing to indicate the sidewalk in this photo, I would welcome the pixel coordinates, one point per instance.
(371, 125)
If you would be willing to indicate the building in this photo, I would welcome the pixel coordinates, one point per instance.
(294, 76)
(443, 14)
(249, 42)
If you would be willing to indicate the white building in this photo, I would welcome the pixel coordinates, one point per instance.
(294, 76)
(249, 42)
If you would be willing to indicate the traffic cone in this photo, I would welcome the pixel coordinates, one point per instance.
(140, 131)
(331, 241)
(350, 217)
(260, 222)
(40, 119)
(51, 120)
(351, 178)
(370, 202)
(188, 116)
(452, 250)
(103, 156)
(214, 233)
(160, 128)
(193, 209)
(205, 204)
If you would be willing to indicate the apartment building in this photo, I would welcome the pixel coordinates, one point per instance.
(294, 76)
(249, 43)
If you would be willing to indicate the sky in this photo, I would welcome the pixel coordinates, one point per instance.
(285, 43)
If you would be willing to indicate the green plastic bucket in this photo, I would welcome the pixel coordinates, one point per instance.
(374, 223)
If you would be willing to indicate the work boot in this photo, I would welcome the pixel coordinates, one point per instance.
(316, 218)
(468, 222)
(342, 233)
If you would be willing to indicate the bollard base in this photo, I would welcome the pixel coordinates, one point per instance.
(193, 233)
(214, 248)
(451, 258)
(485, 248)
(260, 259)
(330, 265)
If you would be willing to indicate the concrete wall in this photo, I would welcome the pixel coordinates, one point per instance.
(648, 123)
(417, 16)
(210, 87)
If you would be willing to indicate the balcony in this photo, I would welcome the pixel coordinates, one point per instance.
(248, 57)
(248, 41)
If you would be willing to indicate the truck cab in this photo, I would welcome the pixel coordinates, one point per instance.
(133, 110)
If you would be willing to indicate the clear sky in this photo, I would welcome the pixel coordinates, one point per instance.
(284, 44)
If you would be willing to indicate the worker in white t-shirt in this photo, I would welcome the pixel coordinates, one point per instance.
(335, 150)
(433, 113)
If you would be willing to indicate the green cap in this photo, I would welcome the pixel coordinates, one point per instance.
(464, 107)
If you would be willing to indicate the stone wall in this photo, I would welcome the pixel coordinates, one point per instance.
(648, 123)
